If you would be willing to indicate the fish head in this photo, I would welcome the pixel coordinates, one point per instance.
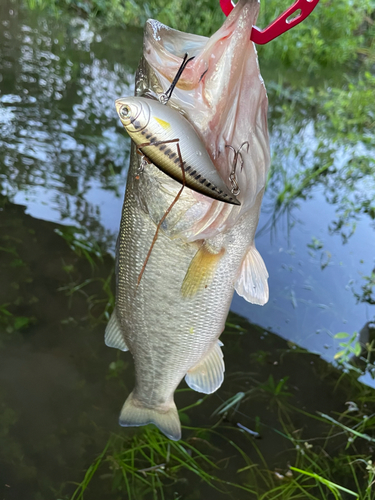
(222, 94)
(134, 113)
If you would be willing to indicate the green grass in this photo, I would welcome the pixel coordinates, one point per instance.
(148, 464)
(334, 462)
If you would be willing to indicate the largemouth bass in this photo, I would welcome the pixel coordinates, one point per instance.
(172, 321)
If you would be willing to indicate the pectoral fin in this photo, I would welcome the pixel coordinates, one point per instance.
(113, 335)
(201, 271)
(252, 282)
(208, 375)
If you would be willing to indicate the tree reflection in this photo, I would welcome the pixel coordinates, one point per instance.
(322, 139)
(58, 125)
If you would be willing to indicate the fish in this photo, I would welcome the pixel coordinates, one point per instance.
(171, 322)
(152, 126)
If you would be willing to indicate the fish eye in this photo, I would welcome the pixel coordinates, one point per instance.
(125, 112)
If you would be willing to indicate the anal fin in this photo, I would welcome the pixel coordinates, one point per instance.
(208, 375)
(201, 271)
(252, 283)
(113, 335)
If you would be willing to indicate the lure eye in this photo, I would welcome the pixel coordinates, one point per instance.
(125, 112)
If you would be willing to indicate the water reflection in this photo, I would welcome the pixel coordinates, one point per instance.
(61, 151)
(323, 139)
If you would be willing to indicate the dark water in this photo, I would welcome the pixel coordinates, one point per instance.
(63, 162)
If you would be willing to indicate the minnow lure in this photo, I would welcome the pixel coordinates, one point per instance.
(156, 129)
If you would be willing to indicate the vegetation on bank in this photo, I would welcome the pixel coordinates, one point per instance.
(334, 34)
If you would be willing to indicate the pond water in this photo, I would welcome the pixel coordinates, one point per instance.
(63, 166)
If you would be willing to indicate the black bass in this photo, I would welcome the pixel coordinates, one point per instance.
(172, 321)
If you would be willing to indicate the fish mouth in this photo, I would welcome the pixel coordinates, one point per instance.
(208, 95)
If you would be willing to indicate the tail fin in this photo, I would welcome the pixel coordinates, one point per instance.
(134, 414)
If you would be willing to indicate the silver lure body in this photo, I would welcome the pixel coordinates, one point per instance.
(149, 121)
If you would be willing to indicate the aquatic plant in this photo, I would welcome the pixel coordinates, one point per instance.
(81, 244)
(350, 346)
(147, 465)
(367, 293)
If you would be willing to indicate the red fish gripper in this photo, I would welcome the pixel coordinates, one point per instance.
(281, 24)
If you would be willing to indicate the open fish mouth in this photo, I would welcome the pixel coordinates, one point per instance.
(221, 92)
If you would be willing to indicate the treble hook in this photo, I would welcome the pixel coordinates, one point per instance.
(164, 98)
(232, 176)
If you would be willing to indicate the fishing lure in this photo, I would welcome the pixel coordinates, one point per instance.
(153, 127)
(156, 129)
